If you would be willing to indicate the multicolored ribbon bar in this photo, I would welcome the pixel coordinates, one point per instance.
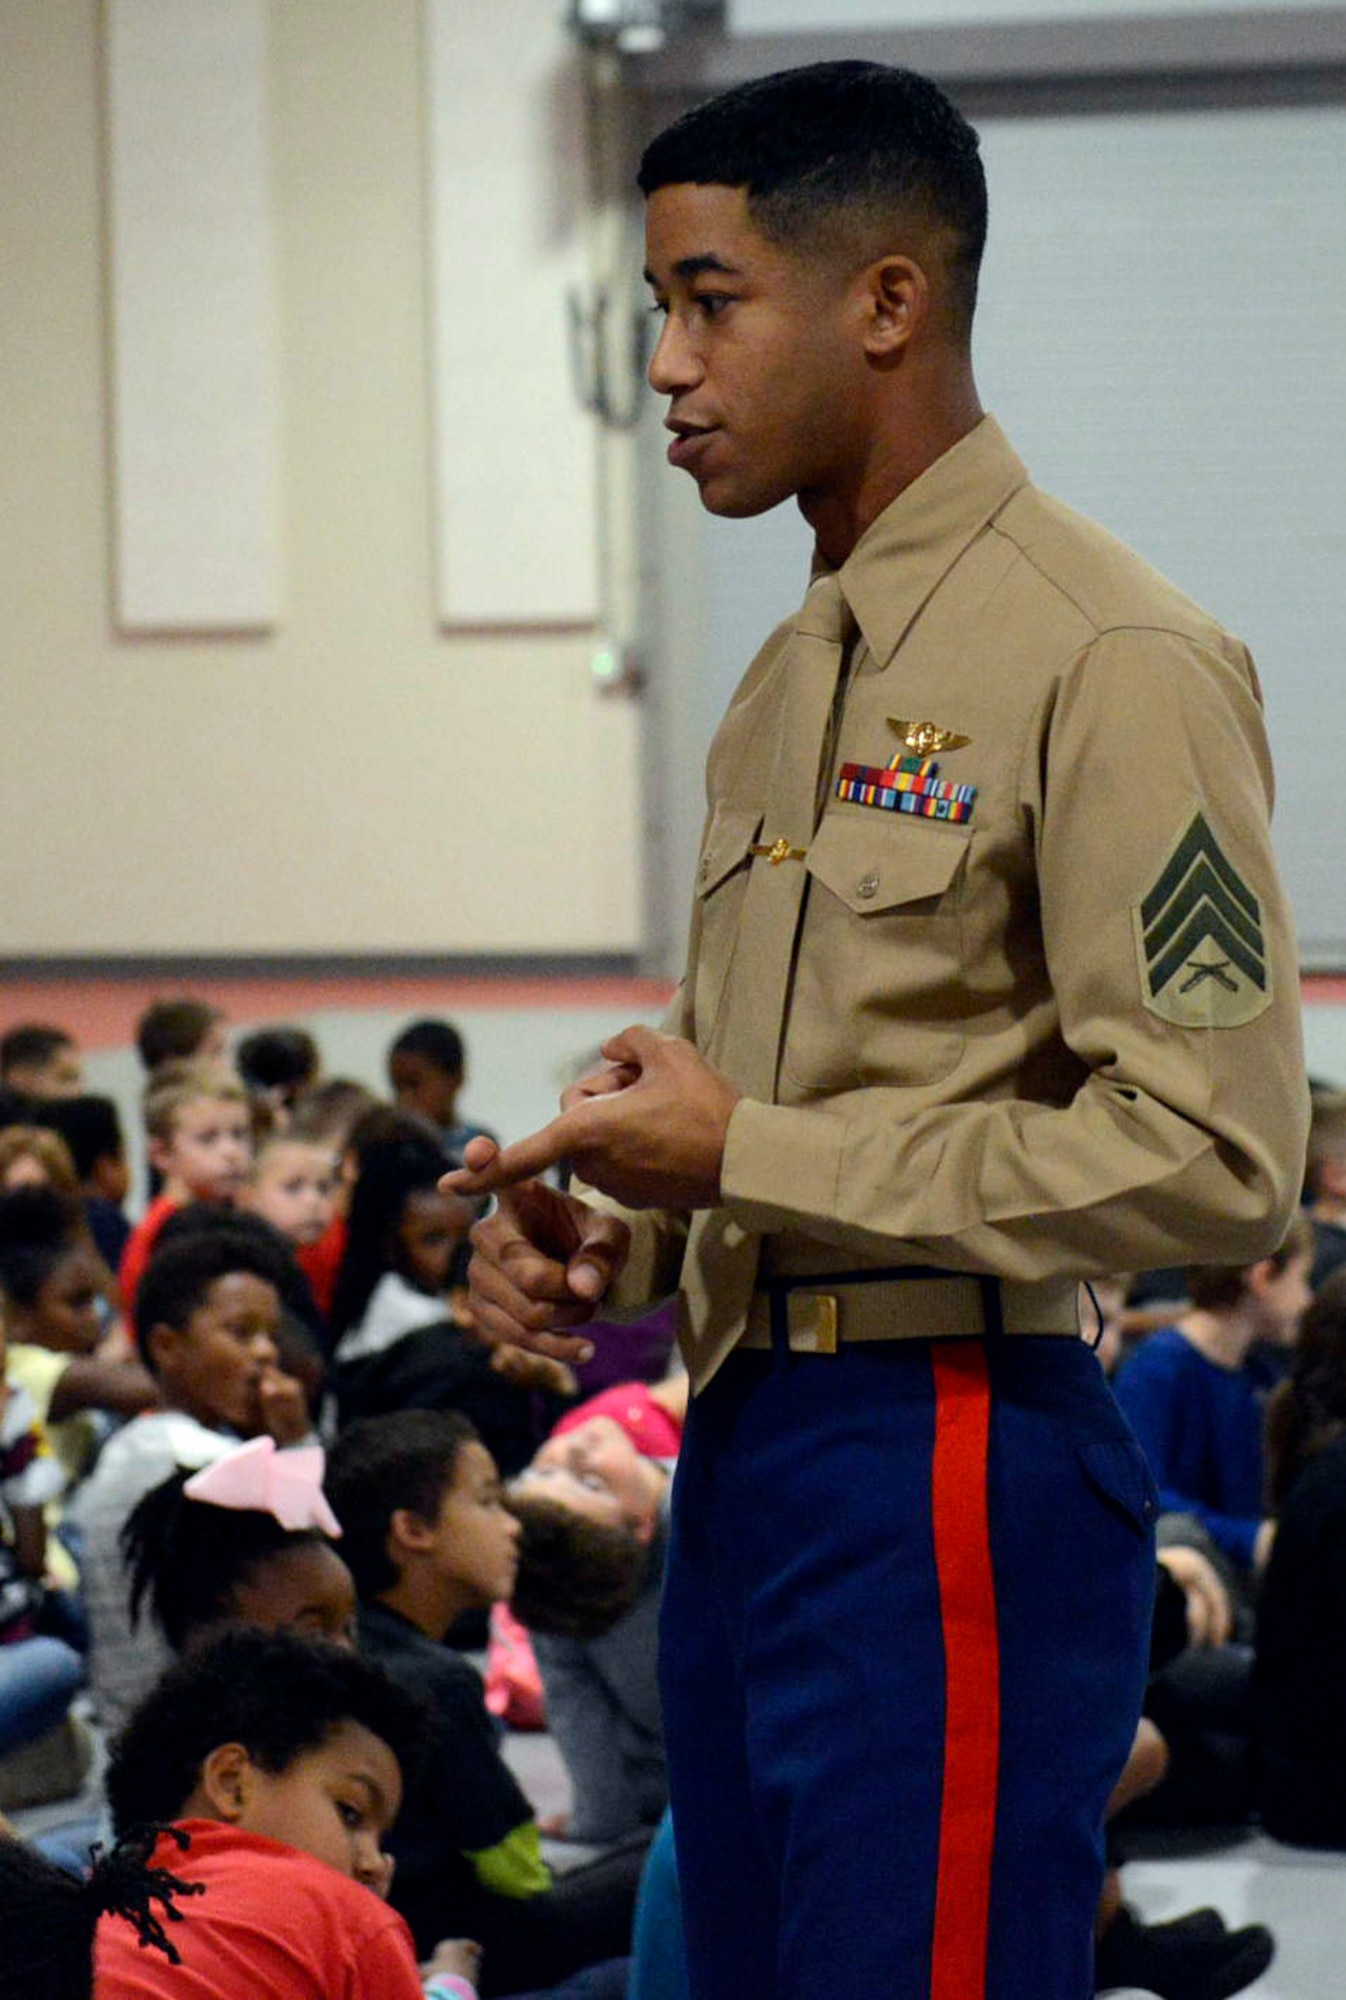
(896, 788)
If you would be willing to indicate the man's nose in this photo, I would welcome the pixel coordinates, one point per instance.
(673, 364)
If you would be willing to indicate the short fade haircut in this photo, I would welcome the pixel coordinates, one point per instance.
(576, 1577)
(278, 1695)
(179, 1276)
(832, 143)
(175, 1084)
(32, 1045)
(438, 1041)
(171, 1030)
(1219, 1287)
(380, 1464)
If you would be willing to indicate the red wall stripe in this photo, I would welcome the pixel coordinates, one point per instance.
(101, 1013)
(972, 1670)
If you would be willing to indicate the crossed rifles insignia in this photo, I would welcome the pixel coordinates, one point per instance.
(1199, 939)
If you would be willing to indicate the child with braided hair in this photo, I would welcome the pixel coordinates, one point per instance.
(270, 1767)
(48, 1917)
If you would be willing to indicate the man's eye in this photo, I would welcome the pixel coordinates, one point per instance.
(350, 1816)
(712, 303)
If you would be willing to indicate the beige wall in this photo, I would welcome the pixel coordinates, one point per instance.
(357, 780)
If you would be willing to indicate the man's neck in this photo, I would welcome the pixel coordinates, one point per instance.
(906, 442)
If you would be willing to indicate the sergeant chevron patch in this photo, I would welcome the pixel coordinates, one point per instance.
(1203, 956)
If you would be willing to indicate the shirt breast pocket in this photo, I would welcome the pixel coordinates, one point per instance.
(879, 990)
(721, 879)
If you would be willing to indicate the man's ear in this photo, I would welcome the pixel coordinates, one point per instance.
(158, 1153)
(897, 301)
(224, 1782)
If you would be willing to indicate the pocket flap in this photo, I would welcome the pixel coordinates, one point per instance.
(733, 829)
(1117, 1471)
(876, 861)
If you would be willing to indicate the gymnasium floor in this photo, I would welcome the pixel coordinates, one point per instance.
(1248, 1878)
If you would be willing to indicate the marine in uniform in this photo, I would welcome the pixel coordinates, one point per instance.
(991, 987)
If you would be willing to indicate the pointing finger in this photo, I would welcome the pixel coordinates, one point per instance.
(522, 1161)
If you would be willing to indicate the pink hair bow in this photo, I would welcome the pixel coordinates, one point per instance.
(259, 1479)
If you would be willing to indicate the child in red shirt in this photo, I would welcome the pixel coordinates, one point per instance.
(198, 1133)
(273, 1767)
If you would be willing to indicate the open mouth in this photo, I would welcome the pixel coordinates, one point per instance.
(688, 444)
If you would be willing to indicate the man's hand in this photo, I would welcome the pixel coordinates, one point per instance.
(540, 1264)
(527, 1369)
(649, 1130)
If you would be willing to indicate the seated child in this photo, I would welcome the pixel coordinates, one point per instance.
(302, 1339)
(245, 1541)
(39, 1675)
(199, 1138)
(274, 1766)
(91, 1127)
(594, 1508)
(1195, 1406)
(50, 1279)
(1300, 1672)
(1326, 1190)
(40, 1061)
(278, 1065)
(404, 1340)
(427, 1069)
(324, 1118)
(181, 1030)
(207, 1317)
(36, 1156)
(427, 1536)
(292, 1185)
(48, 1916)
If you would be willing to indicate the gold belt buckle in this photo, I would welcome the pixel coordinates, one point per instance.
(824, 1329)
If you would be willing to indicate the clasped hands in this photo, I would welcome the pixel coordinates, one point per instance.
(648, 1130)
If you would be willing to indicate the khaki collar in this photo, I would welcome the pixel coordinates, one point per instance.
(919, 536)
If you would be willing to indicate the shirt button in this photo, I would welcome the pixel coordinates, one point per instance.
(867, 886)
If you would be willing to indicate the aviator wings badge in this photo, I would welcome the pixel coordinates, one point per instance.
(927, 739)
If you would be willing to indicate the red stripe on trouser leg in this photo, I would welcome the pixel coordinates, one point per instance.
(972, 1670)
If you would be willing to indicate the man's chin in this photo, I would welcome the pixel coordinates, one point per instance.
(733, 504)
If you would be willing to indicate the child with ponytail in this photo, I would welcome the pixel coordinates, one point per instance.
(247, 1540)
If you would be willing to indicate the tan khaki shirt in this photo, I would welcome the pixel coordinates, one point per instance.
(1057, 1040)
